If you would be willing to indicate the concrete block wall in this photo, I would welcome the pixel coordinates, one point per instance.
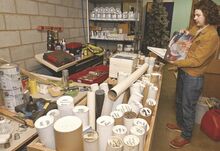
(19, 39)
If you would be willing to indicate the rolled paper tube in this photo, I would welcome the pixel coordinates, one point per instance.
(104, 86)
(147, 77)
(99, 98)
(65, 105)
(120, 77)
(150, 103)
(82, 112)
(150, 69)
(136, 106)
(146, 114)
(124, 108)
(152, 92)
(137, 87)
(104, 129)
(122, 86)
(142, 123)
(90, 140)
(91, 105)
(119, 130)
(140, 133)
(135, 97)
(68, 134)
(146, 91)
(118, 101)
(107, 105)
(142, 60)
(152, 61)
(94, 87)
(118, 116)
(114, 144)
(44, 126)
(156, 68)
(147, 59)
(129, 119)
(55, 113)
(131, 143)
(155, 78)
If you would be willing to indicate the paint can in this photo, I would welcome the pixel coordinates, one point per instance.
(11, 86)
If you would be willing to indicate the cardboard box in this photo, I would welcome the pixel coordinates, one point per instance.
(123, 62)
(211, 85)
(124, 27)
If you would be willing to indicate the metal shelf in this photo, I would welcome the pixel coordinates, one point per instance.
(114, 20)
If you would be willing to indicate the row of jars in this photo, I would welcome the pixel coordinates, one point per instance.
(112, 14)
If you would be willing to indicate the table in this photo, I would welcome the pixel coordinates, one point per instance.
(39, 58)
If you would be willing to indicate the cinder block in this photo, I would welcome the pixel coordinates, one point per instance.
(21, 52)
(71, 12)
(40, 48)
(54, 1)
(61, 11)
(27, 7)
(30, 36)
(74, 32)
(46, 9)
(68, 22)
(32, 64)
(39, 20)
(14, 22)
(44, 36)
(5, 54)
(9, 38)
(78, 23)
(65, 34)
(68, 3)
(56, 21)
(2, 22)
(7, 6)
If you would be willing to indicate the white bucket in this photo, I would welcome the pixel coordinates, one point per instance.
(201, 109)
(11, 86)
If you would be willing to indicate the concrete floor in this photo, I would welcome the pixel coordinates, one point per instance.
(166, 113)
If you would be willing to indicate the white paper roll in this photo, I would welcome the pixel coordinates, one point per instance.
(82, 112)
(114, 144)
(68, 134)
(90, 140)
(107, 105)
(65, 105)
(142, 123)
(135, 97)
(120, 77)
(122, 86)
(129, 119)
(136, 106)
(146, 113)
(94, 87)
(91, 105)
(140, 133)
(55, 113)
(118, 116)
(124, 108)
(150, 69)
(131, 143)
(104, 129)
(44, 126)
(152, 92)
(152, 61)
(120, 131)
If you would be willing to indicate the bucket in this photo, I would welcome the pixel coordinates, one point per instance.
(11, 85)
(201, 109)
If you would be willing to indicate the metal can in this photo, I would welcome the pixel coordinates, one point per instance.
(11, 86)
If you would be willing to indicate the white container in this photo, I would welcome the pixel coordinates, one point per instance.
(201, 109)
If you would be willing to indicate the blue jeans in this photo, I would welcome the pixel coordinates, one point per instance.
(188, 91)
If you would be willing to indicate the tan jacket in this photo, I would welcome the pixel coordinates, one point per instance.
(202, 51)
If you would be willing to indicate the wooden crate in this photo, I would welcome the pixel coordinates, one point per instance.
(35, 145)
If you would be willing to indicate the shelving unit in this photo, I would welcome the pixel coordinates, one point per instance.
(104, 37)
